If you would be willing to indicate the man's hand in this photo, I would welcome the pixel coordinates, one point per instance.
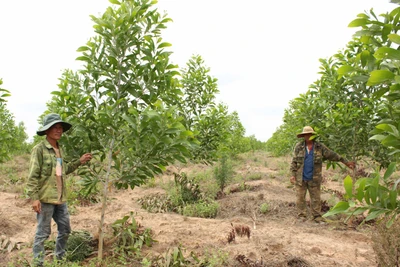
(85, 158)
(37, 206)
(293, 180)
(351, 164)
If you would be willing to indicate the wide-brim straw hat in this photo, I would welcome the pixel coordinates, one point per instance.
(306, 130)
(51, 119)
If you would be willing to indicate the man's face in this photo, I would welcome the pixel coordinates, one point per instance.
(55, 132)
(307, 137)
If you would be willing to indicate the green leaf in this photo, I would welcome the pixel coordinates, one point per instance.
(186, 134)
(130, 120)
(112, 60)
(388, 128)
(392, 220)
(387, 53)
(389, 171)
(378, 137)
(360, 192)
(83, 58)
(345, 69)
(359, 78)
(340, 207)
(365, 55)
(162, 45)
(82, 48)
(379, 76)
(381, 92)
(372, 194)
(393, 198)
(365, 39)
(180, 158)
(374, 214)
(348, 185)
(5, 95)
(391, 141)
(155, 169)
(367, 197)
(115, 2)
(57, 93)
(395, 38)
(362, 15)
(386, 31)
(359, 210)
(358, 22)
(394, 151)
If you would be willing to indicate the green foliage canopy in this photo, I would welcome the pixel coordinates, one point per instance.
(12, 137)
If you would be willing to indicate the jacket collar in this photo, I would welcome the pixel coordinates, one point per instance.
(316, 144)
(48, 145)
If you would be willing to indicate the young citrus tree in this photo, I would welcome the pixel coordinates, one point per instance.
(3, 92)
(380, 56)
(200, 113)
(12, 137)
(340, 108)
(121, 101)
(378, 196)
(199, 89)
(213, 126)
(236, 142)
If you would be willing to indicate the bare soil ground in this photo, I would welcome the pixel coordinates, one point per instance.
(277, 237)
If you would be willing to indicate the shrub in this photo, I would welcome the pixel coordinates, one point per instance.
(79, 246)
(173, 258)
(150, 183)
(264, 208)
(188, 188)
(254, 176)
(216, 258)
(129, 235)
(223, 172)
(157, 203)
(202, 209)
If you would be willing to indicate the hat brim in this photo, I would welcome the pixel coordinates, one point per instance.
(42, 131)
(303, 134)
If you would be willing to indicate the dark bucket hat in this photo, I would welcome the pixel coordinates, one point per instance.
(51, 119)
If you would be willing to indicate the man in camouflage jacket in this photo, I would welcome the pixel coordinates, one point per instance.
(46, 186)
(306, 170)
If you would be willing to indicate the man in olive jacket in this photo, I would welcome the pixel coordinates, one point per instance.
(306, 170)
(46, 186)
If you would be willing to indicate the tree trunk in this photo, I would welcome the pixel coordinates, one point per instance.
(104, 201)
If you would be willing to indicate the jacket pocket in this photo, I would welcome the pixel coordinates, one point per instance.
(317, 158)
(47, 166)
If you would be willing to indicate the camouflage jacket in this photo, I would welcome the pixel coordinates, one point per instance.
(42, 181)
(321, 153)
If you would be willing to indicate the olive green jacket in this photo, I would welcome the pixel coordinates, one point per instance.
(321, 153)
(42, 181)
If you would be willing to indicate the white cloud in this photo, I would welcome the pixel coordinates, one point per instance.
(263, 53)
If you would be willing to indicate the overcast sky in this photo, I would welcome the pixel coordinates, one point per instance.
(263, 53)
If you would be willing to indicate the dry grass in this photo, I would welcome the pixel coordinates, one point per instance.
(13, 174)
(386, 243)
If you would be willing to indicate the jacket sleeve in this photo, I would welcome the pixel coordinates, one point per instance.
(331, 155)
(69, 166)
(294, 164)
(72, 166)
(34, 175)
